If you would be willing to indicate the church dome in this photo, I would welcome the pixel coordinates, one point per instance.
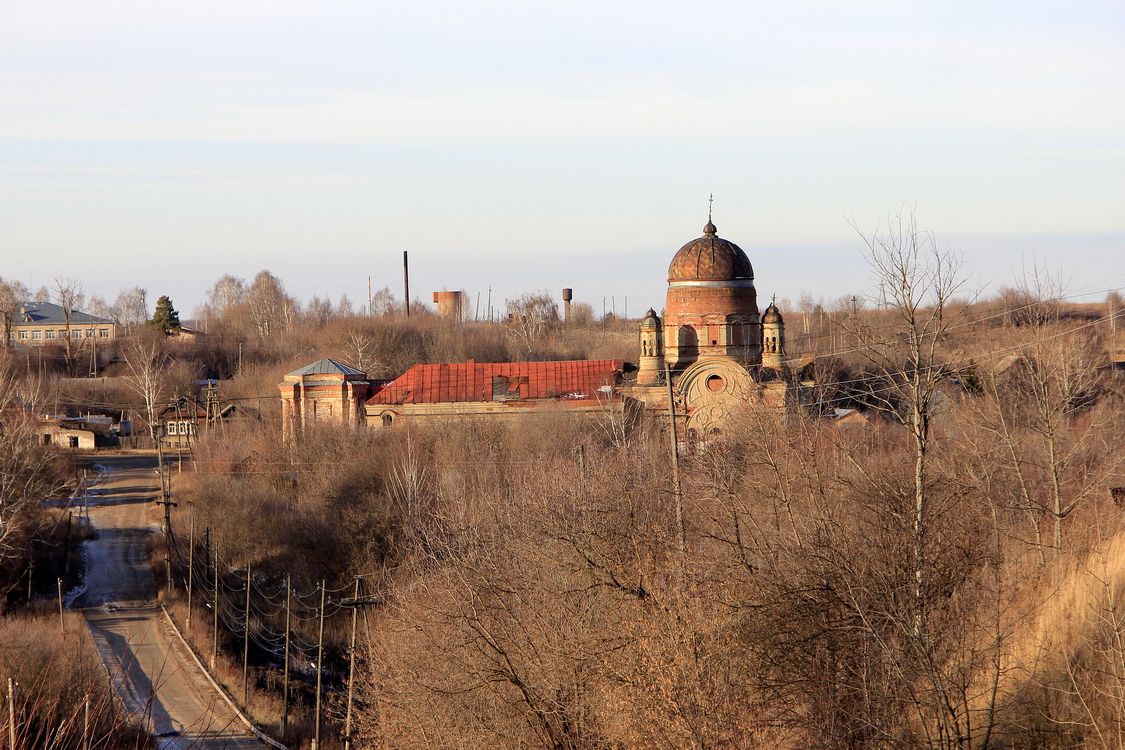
(772, 314)
(710, 258)
(651, 320)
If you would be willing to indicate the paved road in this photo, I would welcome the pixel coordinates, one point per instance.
(152, 671)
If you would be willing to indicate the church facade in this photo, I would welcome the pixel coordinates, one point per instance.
(712, 353)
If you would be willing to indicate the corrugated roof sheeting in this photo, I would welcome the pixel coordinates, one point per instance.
(327, 367)
(474, 381)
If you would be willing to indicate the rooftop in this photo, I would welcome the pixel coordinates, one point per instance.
(502, 381)
(48, 313)
(328, 367)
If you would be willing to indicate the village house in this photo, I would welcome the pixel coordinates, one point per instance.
(44, 323)
(79, 433)
(183, 420)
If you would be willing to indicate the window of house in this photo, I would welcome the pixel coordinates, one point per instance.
(103, 333)
(50, 334)
(23, 335)
(36, 335)
(388, 420)
(76, 334)
(90, 333)
(172, 427)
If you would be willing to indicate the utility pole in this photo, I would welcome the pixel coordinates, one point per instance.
(319, 667)
(190, 568)
(355, 603)
(285, 682)
(66, 550)
(12, 714)
(169, 540)
(406, 282)
(246, 644)
(86, 725)
(30, 572)
(677, 488)
(62, 622)
(240, 356)
(351, 670)
(215, 613)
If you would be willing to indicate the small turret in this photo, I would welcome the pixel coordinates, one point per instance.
(773, 338)
(652, 349)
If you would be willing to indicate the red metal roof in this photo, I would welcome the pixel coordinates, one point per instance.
(501, 381)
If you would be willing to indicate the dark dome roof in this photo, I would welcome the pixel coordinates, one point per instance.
(651, 319)
(710, 258)
(772, 314)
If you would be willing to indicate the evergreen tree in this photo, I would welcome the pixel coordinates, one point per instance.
(165, 318)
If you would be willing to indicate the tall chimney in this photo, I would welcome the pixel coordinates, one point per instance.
(567, 295)
(406, 282)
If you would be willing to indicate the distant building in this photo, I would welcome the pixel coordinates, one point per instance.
(81, 433)
(42, 323)
(324, 392)
(720, 353)
(184, 419)
(499, 389)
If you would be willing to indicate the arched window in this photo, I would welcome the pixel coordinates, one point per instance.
(388, 419)
(688, 338)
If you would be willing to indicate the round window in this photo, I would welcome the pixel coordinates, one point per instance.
(716, 384)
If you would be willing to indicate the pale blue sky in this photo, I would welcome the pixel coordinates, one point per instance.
(534, 145)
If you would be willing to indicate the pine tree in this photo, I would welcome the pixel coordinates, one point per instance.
(165, 318)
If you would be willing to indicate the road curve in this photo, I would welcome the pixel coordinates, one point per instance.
(157, 679)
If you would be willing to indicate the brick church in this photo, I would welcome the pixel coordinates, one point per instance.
(713, 345)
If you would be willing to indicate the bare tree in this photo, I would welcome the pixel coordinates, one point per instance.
(362, 351)
(227, 292)
(269, 305)
(916, 282)
(27, 470)
(131, 309)
(68, 296)
(145, 366)
(319, 310)
(530, 317)
(13, 294)
(384, 302)
(344, 307)
(1054, 382)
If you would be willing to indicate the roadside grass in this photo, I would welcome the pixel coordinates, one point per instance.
(55, 675)
(265, 705)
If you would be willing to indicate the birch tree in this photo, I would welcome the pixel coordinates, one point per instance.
(916, 282)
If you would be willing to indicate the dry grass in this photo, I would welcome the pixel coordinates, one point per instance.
(56, 675)
(265, 705)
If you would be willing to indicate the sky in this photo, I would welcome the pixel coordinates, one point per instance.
(521, 146)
